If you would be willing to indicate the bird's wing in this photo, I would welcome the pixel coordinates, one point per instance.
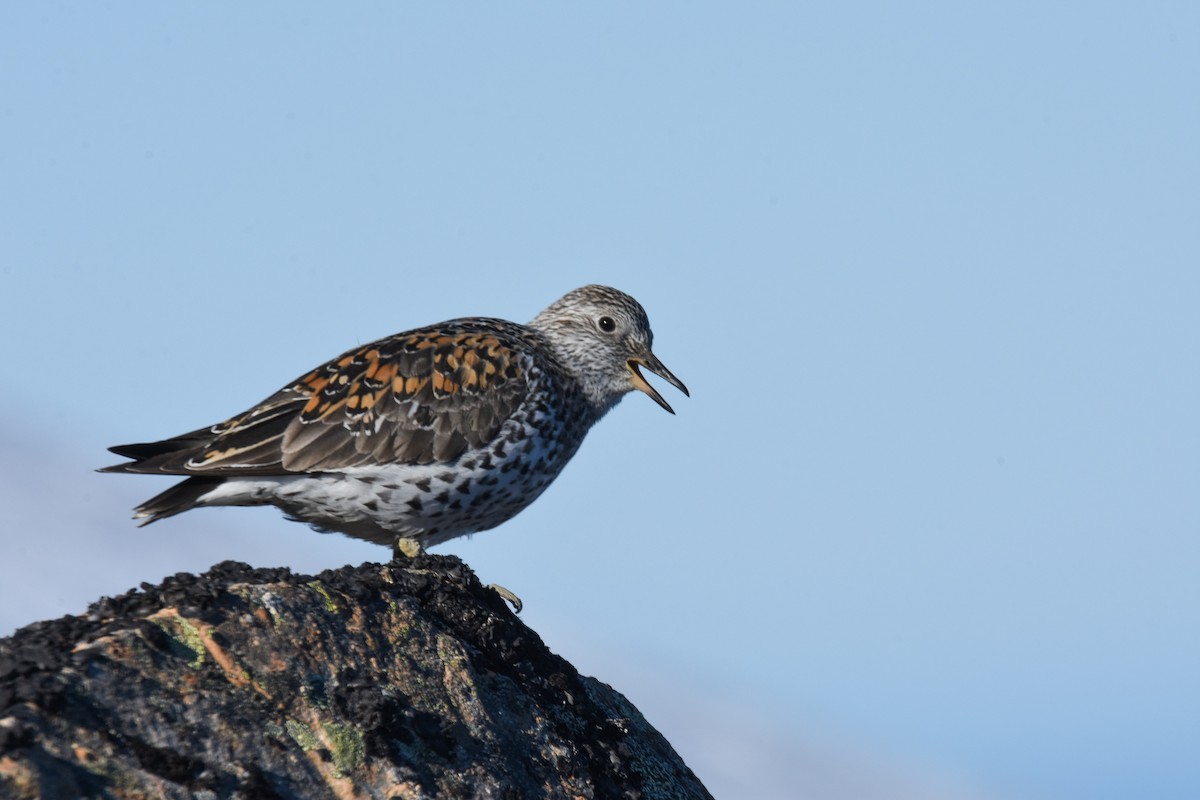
(421, 397)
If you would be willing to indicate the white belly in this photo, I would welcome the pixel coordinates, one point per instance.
(430, 503)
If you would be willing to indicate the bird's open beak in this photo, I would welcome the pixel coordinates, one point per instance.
(651, 362)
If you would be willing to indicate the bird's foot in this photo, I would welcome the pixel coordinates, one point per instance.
(406, 549)
(507, 594)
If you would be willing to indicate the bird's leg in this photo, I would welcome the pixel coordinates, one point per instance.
(507, 594)
(406, 549)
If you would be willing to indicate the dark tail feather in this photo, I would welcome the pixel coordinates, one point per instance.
(124, 467)
(145, 450)
(179, 498)
(159, 457)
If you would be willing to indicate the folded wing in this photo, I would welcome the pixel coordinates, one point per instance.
(420, 397)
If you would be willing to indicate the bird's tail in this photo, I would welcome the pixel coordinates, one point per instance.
(179, 498)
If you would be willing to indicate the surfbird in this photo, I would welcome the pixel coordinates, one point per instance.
(422, 436)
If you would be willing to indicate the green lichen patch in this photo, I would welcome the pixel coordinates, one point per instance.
(301, 734)
(184, 639)
(330, 605)
(347, 744)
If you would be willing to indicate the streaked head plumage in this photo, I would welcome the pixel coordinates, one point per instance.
(603, 336)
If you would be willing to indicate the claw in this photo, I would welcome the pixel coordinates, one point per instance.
(512, 599)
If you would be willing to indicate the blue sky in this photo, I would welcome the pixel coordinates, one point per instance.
(930, 271)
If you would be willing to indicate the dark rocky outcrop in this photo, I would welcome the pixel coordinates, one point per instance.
(380, 681)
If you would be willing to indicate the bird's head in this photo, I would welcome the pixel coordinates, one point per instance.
(603, 337)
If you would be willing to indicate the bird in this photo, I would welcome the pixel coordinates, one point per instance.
(422, 436)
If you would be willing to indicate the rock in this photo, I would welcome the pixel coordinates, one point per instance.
(377, 681)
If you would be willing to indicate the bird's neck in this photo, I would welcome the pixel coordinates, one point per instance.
(574, 363)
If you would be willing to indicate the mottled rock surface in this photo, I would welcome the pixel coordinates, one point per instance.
(376, 681)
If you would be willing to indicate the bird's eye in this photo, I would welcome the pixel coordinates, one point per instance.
(607, 324)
